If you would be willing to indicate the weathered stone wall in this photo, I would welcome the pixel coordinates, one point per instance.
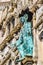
(11, 12)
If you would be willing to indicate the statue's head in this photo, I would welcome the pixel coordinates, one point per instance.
(24, 18)
(25, 15)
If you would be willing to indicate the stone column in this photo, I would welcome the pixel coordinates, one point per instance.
(35, 49)
(23, 2)
(11, 26)
(13, 62)
(7, 31)
(7, 62)
(16, 21)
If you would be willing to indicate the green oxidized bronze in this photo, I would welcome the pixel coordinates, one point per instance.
(25, 42)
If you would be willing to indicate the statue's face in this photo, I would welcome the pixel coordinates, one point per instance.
(24, 18)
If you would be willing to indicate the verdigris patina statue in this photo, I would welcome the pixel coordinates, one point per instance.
(25, 42)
